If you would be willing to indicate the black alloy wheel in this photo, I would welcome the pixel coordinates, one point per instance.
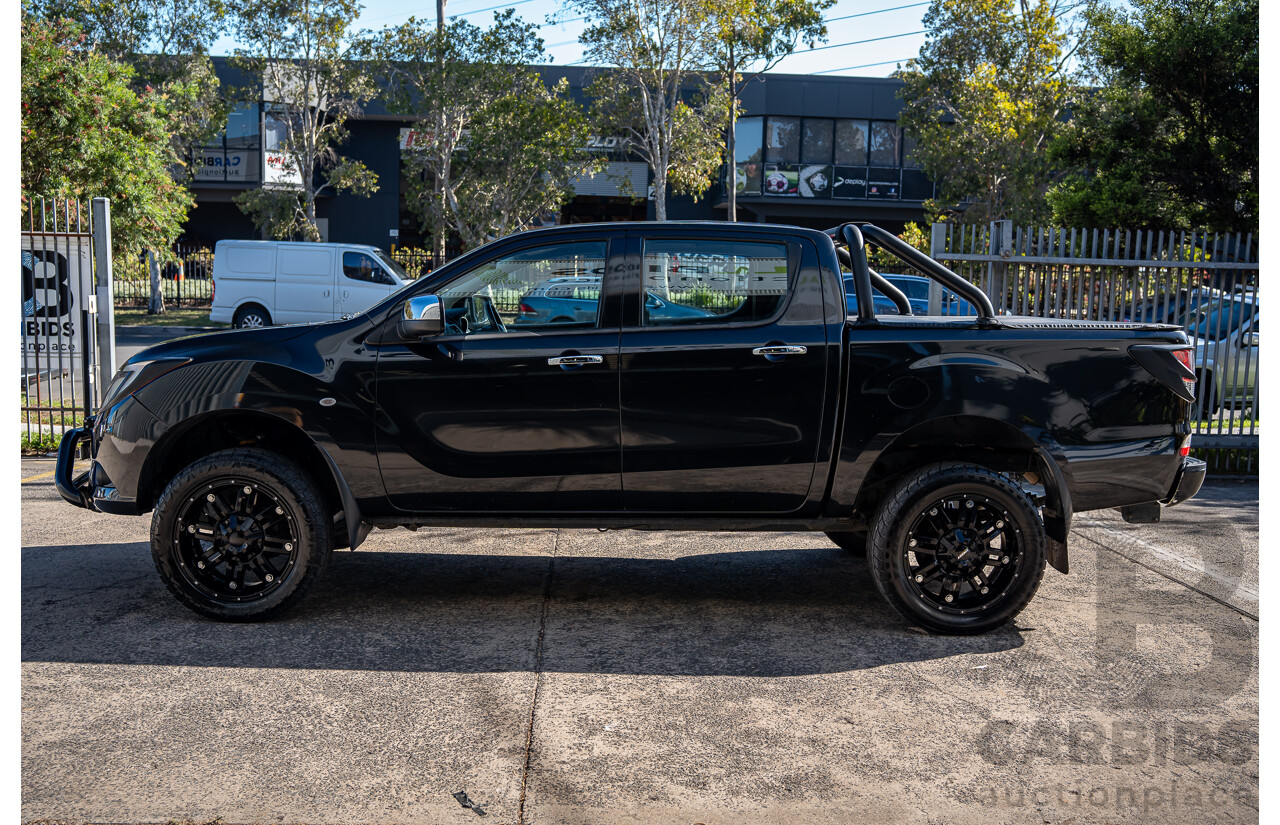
(241, 535)
(957, 548)
(236, 542)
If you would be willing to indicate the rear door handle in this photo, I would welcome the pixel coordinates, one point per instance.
(779, 349)
(574, 360)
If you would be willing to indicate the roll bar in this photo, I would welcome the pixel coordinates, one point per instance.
(910, 255)
(881, 283)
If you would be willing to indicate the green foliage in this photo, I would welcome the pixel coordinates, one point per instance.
(86, 133)
(166, 42)
(912, 233)
(984, 99)
(1171, 137)
(494, 147)
(655, 93)
(299, 52)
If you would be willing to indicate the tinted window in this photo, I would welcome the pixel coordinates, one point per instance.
(913, 289)
(884, 143)
(782, 140)
(1215, 322)
(707, 282)
(358, 266)
(851, 142)
(815, 147)
(529, 289)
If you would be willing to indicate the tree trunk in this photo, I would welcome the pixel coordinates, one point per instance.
(156, 304)
(730, 160)
(660, 195)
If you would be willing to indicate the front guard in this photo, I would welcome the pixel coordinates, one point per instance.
(78, 490)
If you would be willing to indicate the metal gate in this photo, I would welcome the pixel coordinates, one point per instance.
(1205, 282)
(61, 359)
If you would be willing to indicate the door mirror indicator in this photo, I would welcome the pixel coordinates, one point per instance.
(423, 316)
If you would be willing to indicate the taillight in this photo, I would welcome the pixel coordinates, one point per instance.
(1185, 449)
(525, 309)
(213, 289)
(1184, 358)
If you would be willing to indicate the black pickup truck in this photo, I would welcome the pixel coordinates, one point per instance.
(953, 451)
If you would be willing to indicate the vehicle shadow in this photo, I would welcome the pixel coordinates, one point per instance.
(750, 613)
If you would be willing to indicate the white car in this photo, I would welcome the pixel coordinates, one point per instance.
(259, 283)
(1225, 334)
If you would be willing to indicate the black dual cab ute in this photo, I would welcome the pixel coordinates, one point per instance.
(953, 451)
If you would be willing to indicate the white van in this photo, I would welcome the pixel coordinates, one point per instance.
(259, 283)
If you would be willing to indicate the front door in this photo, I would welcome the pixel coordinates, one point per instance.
(363, 282)
(500, 412)
(723, 376)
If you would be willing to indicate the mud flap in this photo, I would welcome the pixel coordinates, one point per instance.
(1057, 512)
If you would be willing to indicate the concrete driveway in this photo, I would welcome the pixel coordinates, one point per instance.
(545, 676)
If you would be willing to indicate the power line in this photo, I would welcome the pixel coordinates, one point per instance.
(863, 66)
(453, 16)
(857, 42)
(877, 11)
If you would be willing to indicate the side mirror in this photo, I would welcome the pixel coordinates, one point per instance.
(423, 316)
(1250, 339)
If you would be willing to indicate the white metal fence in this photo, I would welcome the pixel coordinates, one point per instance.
(1205, 282)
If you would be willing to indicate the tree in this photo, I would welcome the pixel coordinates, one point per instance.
(86, 133)
(1171, 136)
(166, 42)
(494, 147)
(656, 92)
(984, 99)
(311, 88)
(757, 35)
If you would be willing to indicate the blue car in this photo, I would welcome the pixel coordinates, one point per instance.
(916, 288)
(574, 300)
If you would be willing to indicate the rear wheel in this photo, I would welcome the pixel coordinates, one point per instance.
(251, 316)
(241, 535)
(957, 548)
(854, 541)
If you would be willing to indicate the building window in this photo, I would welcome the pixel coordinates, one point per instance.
(748, 140)
(851, 142)
(815, 146)
(884, 143)
(235, 156)
(909, 160)
(782, 140)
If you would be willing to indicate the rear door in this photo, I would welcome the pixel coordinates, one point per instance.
(363, 281)
(304, 283)
(723, 376)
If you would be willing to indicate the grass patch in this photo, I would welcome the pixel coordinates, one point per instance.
(40, 443)
(172, 317)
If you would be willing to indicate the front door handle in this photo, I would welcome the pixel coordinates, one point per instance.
(574, 360)
(779, 349)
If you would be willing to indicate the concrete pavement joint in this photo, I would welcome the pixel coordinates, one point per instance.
(537, 680)
(1173, 579)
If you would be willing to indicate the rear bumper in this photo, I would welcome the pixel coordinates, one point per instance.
(91, 489)
(1187, 482)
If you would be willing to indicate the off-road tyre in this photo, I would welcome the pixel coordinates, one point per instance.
(291, 555)
(1011, 560)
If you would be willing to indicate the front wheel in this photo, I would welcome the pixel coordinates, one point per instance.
(957, 548)
(241, 535)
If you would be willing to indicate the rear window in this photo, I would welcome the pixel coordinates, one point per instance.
(712, 281)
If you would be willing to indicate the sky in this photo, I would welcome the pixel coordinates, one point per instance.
(893, 28)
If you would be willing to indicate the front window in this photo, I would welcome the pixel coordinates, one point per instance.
(557, 285)
(359, 266)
